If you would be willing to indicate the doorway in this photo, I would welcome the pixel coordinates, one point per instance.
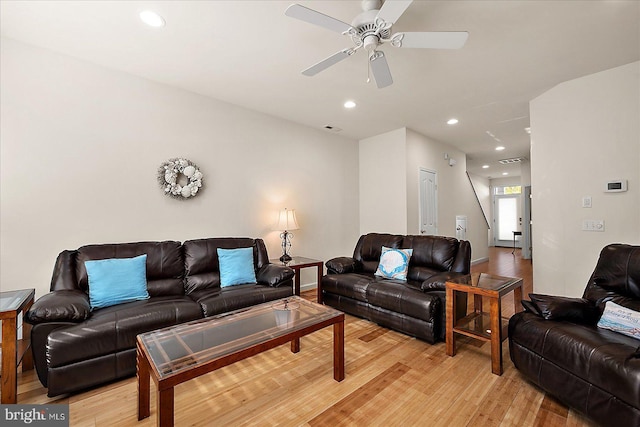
(428, 202)
(507, 216)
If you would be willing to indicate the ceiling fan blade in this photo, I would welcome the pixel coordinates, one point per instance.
(316, 18)
(328, 62)
(391, 10)
(434, 40)
(380, 69)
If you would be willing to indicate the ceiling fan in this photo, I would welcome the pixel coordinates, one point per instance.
(372, 28)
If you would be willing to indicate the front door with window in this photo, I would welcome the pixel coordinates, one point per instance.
(506, 215)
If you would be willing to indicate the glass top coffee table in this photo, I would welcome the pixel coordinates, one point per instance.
(478, 324)
(180, 353)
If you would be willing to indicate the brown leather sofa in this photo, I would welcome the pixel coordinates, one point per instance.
(557, 344)
(415, 306)
(75, 348)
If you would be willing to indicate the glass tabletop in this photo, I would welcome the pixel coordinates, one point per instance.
(181, 347)
(296, 261)
(487, 281)
(12, 300)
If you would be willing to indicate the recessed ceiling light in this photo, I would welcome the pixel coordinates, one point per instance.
(499, 148)
(485, 166)
(452, 121)
(350, 104)
(505, 173)
(152, 19)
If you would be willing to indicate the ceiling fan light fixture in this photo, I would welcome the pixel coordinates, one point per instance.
(152, 19)
(452, 121)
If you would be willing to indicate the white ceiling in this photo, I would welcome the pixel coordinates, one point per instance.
(250, 54)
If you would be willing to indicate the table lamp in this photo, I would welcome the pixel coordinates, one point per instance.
(286, 222)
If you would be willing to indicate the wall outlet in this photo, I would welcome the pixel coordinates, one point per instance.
(593, 225)
(586, 202)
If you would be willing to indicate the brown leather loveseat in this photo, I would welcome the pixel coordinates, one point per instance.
(556, 343)
(75, 348)
(415, 306)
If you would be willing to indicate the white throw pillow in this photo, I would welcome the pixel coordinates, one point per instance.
(620, 319)
(394, 263)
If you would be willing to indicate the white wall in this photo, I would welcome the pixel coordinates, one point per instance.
(455, 192)
(383, 183)
(389, 187)
(80, 148)
(584, 132)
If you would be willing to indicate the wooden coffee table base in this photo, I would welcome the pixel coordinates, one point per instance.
(165, 395)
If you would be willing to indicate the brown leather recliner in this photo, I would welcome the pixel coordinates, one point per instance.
(75, 348)
(557, 344)
(415, 306)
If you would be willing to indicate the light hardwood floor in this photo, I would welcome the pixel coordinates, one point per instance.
(391, 379)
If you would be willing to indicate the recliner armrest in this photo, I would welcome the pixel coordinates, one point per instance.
(437, 281)
(60, 306)
(577, 310)
(274, 275)
(341, 265)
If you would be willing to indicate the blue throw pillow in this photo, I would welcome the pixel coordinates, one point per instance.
(620, 319)
(236, 266)
(117, 280)
(394, 263)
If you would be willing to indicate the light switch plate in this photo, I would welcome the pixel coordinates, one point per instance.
(586, 202)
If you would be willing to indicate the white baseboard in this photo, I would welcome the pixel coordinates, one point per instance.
(479, 260)
(308, 286)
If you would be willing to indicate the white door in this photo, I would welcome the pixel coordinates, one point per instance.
(428, 202)
(506, 220)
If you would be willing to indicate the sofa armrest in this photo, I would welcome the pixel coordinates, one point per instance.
(274, 275)
(577, 310)
(437, 281)
(60, 306)
(341, 265)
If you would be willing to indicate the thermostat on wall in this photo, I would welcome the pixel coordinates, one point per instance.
(616, 186)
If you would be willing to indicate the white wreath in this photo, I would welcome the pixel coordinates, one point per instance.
(168, 175)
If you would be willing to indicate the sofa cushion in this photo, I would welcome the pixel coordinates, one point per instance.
(350, 285)
(598, 356)
(219, 301)
(431, 255)
(369, 248)
(617, 274)
(236, 266)
(165, 265)
(116, 281)
(201, 265)
(114, 328)
(394, 263)
(404, 298)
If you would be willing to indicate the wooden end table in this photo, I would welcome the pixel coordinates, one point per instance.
(14, 351)
(296, 264)
(478, 324)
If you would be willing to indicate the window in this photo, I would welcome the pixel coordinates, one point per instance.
(515, 189)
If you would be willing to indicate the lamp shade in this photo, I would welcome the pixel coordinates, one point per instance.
(286, 220)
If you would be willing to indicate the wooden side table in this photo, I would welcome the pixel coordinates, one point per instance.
(478, 324)
(14, 351)
(296, 264)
